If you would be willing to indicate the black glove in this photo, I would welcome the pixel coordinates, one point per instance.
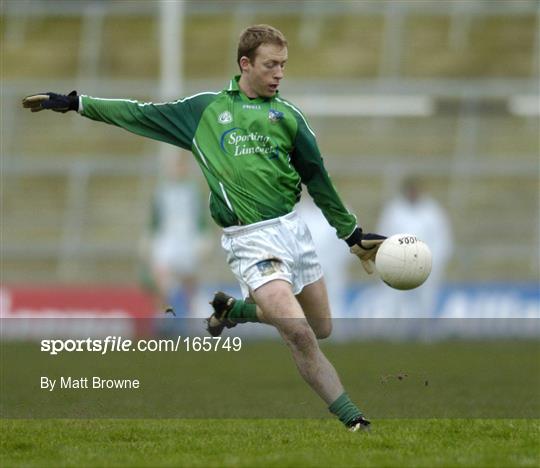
(365, 247)
(53, 101)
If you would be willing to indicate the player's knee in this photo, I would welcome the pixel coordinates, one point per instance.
(301, 338)
(323, 330)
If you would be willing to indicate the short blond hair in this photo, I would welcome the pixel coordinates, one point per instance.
(254, 36)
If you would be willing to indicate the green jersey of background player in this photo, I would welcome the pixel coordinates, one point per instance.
(255, 149)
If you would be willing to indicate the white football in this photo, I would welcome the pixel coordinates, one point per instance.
(403, 261)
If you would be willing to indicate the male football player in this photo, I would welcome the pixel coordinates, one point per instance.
(255, 149)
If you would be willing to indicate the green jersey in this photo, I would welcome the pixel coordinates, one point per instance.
(254, 153)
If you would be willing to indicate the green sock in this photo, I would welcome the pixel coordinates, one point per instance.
(243, 311)
(345, 409)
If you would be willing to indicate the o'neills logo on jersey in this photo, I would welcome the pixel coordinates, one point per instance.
(240, 142)
(225, 117)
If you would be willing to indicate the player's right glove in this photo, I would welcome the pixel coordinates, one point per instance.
(56, 102)
(365, 247)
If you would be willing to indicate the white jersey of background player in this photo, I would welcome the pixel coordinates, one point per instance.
(334, 259)
(418, 213)
(176, 234)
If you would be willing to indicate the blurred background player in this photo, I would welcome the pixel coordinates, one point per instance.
(177, 236)
(414, 211)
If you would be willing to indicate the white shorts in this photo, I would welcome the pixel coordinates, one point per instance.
(177, 255)
(279, 248)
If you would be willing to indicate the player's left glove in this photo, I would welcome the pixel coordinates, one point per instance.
(56, 102)
(365, 247)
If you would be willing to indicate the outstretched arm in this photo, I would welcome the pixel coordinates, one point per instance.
(173, 122)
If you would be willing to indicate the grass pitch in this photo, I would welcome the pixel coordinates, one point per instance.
(480, 408)
(269, 442)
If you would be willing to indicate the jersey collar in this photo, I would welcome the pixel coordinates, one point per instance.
(233, 88)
